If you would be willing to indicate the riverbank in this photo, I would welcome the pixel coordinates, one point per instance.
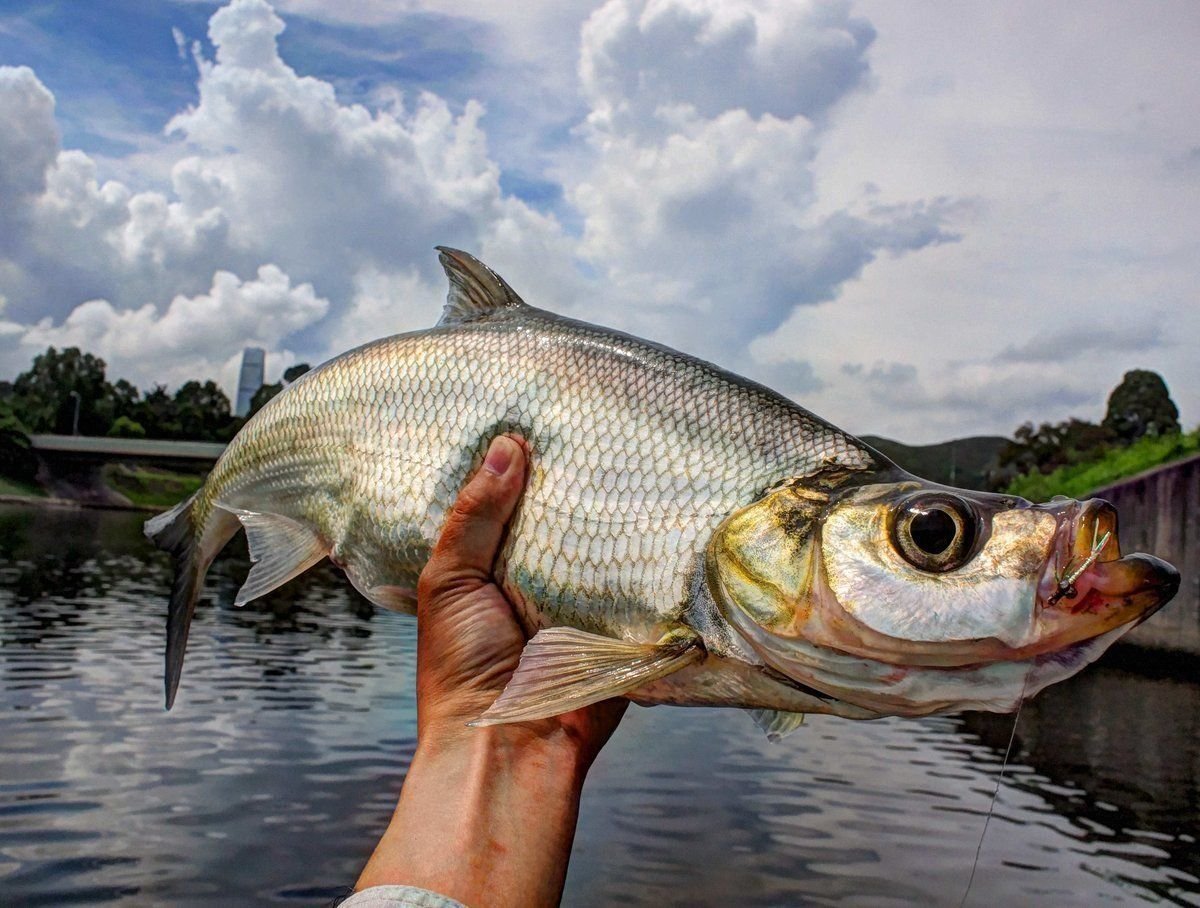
(71, 504)
(115, 486)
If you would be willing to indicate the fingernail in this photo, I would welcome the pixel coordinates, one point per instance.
(499, 455)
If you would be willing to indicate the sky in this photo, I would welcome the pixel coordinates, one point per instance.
(917, 220)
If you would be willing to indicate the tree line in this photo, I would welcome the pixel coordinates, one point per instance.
(1139, 407)
(67, 392)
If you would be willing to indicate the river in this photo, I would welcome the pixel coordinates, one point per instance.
(280, 764)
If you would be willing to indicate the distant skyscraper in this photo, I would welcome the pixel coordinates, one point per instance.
(251, 378)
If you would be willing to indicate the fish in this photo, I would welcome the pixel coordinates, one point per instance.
(687, 536)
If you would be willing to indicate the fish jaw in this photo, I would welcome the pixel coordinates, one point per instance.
(884, 689)
(1088, 588)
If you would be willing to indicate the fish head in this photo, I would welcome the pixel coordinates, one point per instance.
(909, 598)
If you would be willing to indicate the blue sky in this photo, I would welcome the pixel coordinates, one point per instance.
(918, 221)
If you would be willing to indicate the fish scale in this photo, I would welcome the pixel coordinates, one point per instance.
(630, 466)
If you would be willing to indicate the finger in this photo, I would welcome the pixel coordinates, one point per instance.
(475, 525)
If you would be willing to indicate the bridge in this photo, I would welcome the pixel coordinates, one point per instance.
(71, 466)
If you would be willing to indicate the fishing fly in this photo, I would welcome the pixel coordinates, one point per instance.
(1067, 576)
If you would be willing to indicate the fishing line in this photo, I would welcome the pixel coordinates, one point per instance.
(996, 794)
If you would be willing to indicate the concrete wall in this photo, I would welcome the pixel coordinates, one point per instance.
(1160, 514)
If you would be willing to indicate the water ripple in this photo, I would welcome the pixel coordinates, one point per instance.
(295, 724)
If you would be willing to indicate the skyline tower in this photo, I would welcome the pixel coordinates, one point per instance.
(250, 378)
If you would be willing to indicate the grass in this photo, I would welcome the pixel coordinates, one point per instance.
(17, 487)
(1077, 480)
(150, 487)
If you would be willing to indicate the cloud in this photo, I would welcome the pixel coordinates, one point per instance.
(698, 201)
(641, 61)
(183, 341)
(792, 377)
(965, 394)
(27, 144)
(1086, 340)
(268, 167)
(690, 197)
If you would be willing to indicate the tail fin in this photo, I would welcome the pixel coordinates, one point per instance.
(174, 532)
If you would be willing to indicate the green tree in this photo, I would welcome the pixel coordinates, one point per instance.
(262, 396)
(1046, 448)
(17, 460)
(291, 373)
(124, 427)
(44, 397)
(157, 413)
(123, 399)
(1141, 405)
(203, 410)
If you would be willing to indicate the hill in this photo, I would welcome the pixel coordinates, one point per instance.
(961, 462)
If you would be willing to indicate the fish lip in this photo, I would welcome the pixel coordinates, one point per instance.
(1087, 572)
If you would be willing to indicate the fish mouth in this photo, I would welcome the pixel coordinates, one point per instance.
(1088, 584)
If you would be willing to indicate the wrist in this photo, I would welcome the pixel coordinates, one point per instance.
(486, 816)
(529, 748)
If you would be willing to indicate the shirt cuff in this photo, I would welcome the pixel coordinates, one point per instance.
(398, 897)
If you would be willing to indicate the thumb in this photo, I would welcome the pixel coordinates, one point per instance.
(470, 538)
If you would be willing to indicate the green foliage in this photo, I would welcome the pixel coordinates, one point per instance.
(21, 487)
(1141, 405)
(157, 413)
(262, 397)
(1048, 447)
(46, 396)
(292, 373)
(123, 399)
(150, 487)
(124, 427)
(202, 410)
(17, 460)
(1079, 479)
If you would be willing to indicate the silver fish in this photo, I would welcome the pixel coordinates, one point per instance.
(686, 536)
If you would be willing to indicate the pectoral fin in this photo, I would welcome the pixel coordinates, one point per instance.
(562, 669)
(776, 723)
(280, 547)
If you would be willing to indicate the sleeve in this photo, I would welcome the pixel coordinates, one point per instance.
(398, 897)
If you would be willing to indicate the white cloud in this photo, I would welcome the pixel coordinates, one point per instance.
(192, 333)
(27, 144)
(1079, 256)
(779, 57)
(1087, 339)
(708, 205)
(699, 202)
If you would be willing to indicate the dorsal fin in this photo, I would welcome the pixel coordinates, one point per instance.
(476, 291)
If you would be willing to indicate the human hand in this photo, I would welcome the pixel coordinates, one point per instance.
(486, 815)
(468, 639)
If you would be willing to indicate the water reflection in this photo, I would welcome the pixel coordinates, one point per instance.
(1134, 716)
(295, 724)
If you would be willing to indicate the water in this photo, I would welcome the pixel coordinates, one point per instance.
(280, 764)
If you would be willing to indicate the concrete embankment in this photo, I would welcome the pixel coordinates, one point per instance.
(1160, 514)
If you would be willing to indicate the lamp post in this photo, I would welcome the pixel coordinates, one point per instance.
(75, 421)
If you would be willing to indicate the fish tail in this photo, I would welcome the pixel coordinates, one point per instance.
(176, 532)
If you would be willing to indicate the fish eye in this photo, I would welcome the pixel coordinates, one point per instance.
(935, 532)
